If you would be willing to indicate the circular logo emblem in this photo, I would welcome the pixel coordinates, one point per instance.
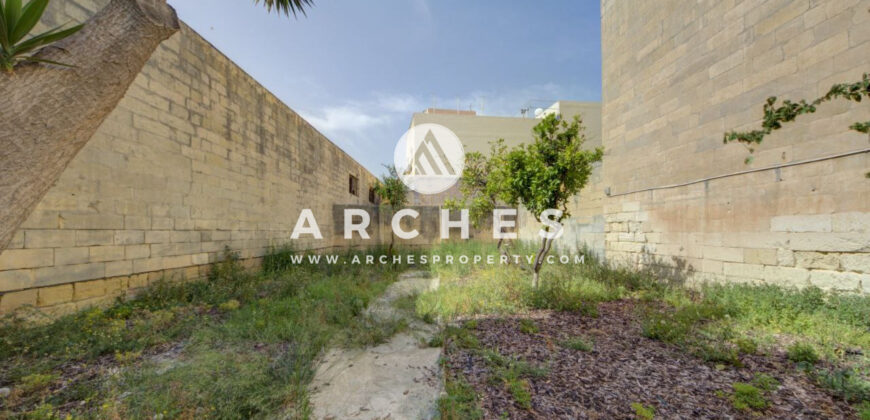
(429, 158)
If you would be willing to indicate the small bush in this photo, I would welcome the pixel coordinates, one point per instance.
(748, 397)
(863, 409)
(519, 389)
(577, 343)
(746, 345)
(230, 305)
(643, 412)
(459, 401)
(765, 382)
(847, 384)
(527, 326)
(802, 353)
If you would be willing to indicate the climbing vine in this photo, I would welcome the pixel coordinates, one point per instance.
(776, 115)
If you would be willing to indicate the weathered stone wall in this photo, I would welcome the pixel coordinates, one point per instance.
(197, 157)
(676, 76)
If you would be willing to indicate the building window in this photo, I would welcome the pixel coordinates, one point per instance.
(373, 197)
(353, 185)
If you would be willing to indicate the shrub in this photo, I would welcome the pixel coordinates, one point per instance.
(643, 412)
(748, 397)
(765, 382)
(848, 384)
(802, 353)
(577, 343)
(527, 326)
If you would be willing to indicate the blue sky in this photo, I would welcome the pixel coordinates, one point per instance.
(358, 69)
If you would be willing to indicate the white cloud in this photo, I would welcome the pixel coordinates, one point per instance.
(369, 129)
(344, 118)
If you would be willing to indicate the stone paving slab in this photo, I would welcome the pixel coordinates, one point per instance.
(400, 379)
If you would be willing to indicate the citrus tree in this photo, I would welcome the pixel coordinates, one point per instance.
(481, 184)
(544, 175)
(393, 193)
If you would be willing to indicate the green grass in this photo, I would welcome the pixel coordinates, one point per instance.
(468, 289)
(643, 412)
(716, 322)
(578, 343)
(748, 397)
(248, 344)
(802, 353)
(528, 326)
(460, 401)
(514, 374)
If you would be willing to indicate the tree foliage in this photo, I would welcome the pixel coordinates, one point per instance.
(776, 115)
(16, 21)
(481, 184)
(548, 173)
(287, 6)
(393, 192)
(391, 189)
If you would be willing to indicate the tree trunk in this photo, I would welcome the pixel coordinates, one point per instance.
(49, 113)
(539, 260)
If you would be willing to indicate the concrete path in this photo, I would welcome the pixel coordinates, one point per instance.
(400, 379)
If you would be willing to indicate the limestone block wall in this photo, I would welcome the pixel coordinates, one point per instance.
(675, 78)
(197, 157)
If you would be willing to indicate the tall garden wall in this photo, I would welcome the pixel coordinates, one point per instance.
(197, 157)
(675, 78)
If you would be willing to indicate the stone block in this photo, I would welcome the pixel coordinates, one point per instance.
(851, 222)
(69, 256)
(157, 237)
(835, 280)
(94, 237)
(786, 276)
(750, 271)
(15, 280)
(135, 252)
(106, 253)
(13, 259)
(49, 238)
(119, 268)
(50, 276)
(760, 256)
(859, 263)
(14, 300)
(809, 223)
(89, 289)
(785, 257)
(723, 253)
(129, 237)
(54, 295)
(819, 260)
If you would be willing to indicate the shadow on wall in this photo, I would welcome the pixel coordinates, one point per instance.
(675, 270)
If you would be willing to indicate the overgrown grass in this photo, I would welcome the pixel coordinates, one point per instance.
(578, 343)
(497, 289)
(717, 322)
(245, 345)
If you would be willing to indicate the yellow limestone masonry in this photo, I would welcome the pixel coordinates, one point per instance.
(197, 157)
(676, 76)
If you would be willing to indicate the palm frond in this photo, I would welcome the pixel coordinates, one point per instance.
(287, 6)
(45, 38)
(29, 18)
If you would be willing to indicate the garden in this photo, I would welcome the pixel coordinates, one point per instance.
(591, 341)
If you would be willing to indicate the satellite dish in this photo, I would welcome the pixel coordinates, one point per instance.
(539, 113)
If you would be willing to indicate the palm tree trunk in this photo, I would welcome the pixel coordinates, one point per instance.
(50, 113)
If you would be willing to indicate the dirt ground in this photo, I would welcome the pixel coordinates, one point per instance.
(624, 368)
